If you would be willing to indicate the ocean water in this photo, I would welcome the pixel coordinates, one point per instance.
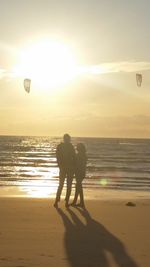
(122, 164)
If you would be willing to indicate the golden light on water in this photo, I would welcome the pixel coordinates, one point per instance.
(39, 189)
(42, 187)
(48, 63)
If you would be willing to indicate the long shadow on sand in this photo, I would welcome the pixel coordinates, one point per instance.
(89, 244)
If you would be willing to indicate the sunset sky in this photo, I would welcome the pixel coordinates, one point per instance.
(82, 57)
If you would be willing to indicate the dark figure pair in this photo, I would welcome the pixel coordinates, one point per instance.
(70, 163)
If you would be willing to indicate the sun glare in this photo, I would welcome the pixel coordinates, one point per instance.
(48, 63)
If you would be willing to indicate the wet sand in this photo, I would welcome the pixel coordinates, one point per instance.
(107, 234)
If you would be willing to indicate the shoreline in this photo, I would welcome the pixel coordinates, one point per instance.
(90, 194)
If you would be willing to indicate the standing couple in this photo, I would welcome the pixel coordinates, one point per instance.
(70, 163)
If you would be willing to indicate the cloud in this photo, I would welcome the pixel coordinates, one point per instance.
(2, 73)
(115, 67)
(7, 74)
(104, 68)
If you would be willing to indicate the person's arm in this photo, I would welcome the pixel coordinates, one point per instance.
(58, 155)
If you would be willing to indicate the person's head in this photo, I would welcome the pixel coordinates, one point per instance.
(81, 148)
(67, 138)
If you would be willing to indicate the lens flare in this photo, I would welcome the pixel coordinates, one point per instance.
(104, 181)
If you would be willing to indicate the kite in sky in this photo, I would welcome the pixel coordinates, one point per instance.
(139, 79)
(27, 83)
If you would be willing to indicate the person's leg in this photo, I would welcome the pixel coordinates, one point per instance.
(62, 175)
(69, 187)
(76, 193)
(81, 195)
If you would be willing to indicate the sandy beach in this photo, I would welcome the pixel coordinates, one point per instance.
(108, 233)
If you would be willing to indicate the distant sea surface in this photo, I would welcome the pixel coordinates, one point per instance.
(112, 163)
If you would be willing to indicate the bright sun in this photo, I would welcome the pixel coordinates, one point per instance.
(48, 63)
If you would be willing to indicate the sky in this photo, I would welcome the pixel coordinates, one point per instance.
(82, 57)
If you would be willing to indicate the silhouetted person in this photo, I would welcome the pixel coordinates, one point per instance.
(65, 155)
(81, 160)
